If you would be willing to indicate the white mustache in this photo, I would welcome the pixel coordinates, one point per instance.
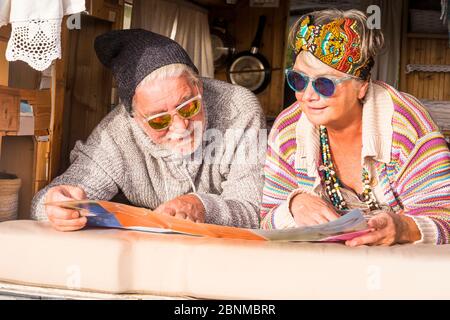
(184, 136)
(179, 136)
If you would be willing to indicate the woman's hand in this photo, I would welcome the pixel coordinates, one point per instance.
(187, 207)
(65, 219)
(388, 228)
(310, 210)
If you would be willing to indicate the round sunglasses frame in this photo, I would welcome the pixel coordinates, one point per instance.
(313, 82)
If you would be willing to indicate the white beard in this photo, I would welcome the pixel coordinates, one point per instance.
(181, 143)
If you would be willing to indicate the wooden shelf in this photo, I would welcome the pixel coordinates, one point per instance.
(41, 102)
(111, 11)
(10, 109)
(428, 35)
(28, 155)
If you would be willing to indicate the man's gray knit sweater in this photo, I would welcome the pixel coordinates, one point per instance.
(119, 156)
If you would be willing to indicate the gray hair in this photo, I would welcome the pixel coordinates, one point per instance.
(372, 40)
(174, 70)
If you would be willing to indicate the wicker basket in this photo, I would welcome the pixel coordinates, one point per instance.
(9, 196)
(427, 21)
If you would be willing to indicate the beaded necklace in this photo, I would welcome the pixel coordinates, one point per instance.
(332, 183)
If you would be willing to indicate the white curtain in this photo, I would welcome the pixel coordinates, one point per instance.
(181, 21)
(387, 63)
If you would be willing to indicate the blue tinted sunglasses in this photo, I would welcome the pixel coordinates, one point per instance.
(324, 86)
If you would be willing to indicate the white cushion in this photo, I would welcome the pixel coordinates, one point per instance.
(117, 261)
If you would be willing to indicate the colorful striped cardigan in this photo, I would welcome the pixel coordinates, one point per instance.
(402, 147)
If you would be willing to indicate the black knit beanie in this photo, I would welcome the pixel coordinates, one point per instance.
(135, 53)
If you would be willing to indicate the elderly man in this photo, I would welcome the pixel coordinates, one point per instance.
(166, 146)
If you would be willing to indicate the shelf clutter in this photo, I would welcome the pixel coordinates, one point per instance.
(427, 21)
(25, 147)
(18, 105)
(32, 140)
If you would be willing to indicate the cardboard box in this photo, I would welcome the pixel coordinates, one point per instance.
(26, 125)
(26, 121)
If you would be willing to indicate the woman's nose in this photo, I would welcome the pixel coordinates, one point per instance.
(309, 94)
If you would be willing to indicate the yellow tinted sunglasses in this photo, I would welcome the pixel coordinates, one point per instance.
(186, 110)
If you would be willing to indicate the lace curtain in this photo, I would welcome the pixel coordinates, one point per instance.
(36, 29)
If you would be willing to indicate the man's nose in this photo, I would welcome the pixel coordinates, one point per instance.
(178, 123)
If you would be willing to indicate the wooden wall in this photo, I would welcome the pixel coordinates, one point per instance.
(424, 49)
(88, 86)
(242, 23)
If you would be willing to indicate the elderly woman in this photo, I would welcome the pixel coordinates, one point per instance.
(351, 143)
(161, 146)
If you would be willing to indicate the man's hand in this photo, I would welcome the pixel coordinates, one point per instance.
(310, 210)
(388, 228)
(187, 206)
(65, 219)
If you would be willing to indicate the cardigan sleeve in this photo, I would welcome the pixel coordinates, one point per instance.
(280, 180)
(423, 186)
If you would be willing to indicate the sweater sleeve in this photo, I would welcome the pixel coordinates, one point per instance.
(423, 186)
(280, 180)
(238, 202)
(92, 169)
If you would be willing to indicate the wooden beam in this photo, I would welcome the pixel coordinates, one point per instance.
(40, 164)
(1, 137)
(4, 64)
(59, 70)
(5, 32)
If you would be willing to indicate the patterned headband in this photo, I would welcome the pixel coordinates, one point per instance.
(336, 44)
